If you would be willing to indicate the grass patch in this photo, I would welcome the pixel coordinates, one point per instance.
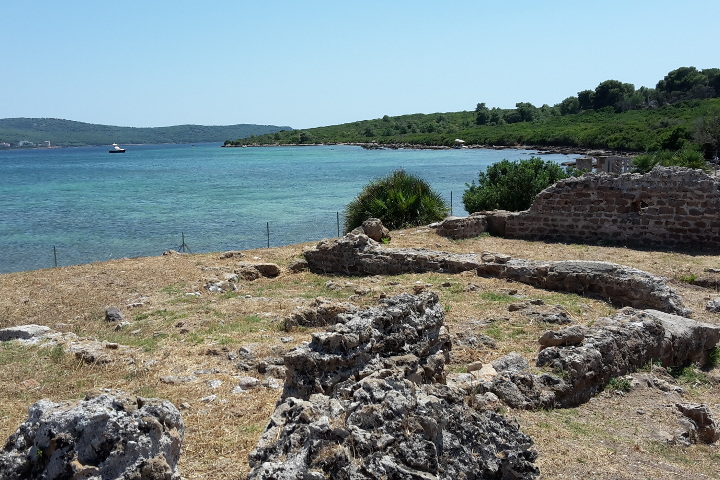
(619, 385)
(497, 297)
(690, 375)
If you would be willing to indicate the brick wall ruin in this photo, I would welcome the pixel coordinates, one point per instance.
(668, 207)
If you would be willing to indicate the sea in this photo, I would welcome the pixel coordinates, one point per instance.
(69, 206)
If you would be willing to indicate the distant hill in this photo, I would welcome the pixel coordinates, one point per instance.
(68, 133)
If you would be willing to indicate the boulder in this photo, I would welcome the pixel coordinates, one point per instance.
(367, 399)
(386, 426)
(113, 314)
(29, 333)
(584, 359)
(406, 332)
(105, 436)
(373, 228)
(703, 426)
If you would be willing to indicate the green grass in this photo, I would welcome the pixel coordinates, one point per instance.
(690, 375)
(619, 385)
(497, 297)
(230, 332)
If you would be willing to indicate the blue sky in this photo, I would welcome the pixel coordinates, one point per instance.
(312, 63)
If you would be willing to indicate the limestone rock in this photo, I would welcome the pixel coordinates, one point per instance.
(713, 305)
(584, 359)
(106, 436)
(404, 332)
(704, 427)
(367, 399)
(373, 228)
(388, 427)
(113, 314)
(24, 332)
(321, 312)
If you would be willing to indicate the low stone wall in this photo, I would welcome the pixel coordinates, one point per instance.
(621, 285)
(463, 227)
(667, 207)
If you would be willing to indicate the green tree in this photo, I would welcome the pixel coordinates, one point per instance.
(610, 93)
(511, 185)
(482, 114)
(569, 106)
(586, 99)
(682, 84)
(400, 200)
(527, 111)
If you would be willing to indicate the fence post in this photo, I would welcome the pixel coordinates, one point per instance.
(338, 223)
(55, 255)
(451, 205)
(268, 234)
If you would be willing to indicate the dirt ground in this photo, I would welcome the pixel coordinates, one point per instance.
(181, 336)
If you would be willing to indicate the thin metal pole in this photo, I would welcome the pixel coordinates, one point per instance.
(55, 255)
(338, 223)
(268, 234)
(451, 205)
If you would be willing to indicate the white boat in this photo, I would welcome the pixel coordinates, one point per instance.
(117, 149)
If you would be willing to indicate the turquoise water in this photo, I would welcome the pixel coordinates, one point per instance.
(93, 206)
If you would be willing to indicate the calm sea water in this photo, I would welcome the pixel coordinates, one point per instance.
(90, 206)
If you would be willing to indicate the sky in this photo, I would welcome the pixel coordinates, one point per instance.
(303, 64)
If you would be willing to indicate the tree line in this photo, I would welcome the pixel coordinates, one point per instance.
(682, 110)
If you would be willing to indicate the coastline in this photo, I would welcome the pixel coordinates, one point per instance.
(542, 149)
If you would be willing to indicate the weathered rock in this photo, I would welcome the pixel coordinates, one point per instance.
(298, 266)
(406, 332)
(704, 428)
(360, 255)
(584, 359)
(367, 400)
(621, 285)
(24, 332)
(565, 337)
(512, 362)
(113, 314)
(373, 228)
(321, 312)
(385, 426)
(101, 437)
(713, 305)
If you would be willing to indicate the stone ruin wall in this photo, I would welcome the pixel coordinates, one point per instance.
(668, 207)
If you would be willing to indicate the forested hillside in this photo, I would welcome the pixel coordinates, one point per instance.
(682, 110)
(67, 133)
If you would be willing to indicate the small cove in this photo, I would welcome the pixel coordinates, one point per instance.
(92, 206)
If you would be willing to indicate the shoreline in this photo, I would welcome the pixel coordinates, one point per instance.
(542, 149)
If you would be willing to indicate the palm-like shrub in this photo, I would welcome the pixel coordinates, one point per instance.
(399, 200)
(686, 157)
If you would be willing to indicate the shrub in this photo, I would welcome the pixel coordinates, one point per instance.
(510, 185)
(686, 157)
(399, 200)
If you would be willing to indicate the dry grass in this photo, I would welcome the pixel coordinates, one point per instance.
(173, 334)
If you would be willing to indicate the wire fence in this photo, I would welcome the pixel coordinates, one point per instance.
(242, 234)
